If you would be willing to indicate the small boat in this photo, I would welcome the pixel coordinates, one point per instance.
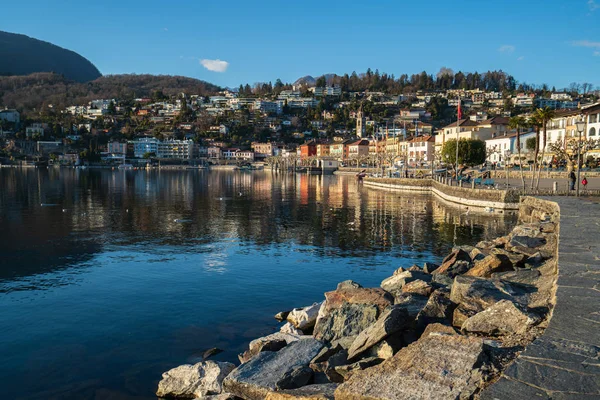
(125, 166)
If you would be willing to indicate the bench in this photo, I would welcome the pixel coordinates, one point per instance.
(477, 181)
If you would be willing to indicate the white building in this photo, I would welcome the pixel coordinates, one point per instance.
(180, 149)
(593, 121)
(145, 145)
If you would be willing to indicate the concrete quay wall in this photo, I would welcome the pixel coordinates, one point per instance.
(477, 198)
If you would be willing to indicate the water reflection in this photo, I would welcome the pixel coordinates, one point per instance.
(136, 271)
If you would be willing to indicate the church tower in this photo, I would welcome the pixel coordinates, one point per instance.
(360, 124)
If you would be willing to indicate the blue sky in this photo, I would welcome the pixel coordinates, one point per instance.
(538, 41)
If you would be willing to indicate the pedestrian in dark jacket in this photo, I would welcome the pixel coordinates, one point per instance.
(573, 179)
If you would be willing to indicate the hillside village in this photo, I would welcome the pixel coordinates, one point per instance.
(302, 122)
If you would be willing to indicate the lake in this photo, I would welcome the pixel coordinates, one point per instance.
(109, 278)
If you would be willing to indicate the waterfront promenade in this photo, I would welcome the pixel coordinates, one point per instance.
(564, 362)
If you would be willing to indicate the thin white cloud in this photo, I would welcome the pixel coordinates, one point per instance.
(166, 29)
(593, 5)
(507, 48)
(597, 53)
(585, 43)
(215, 65)
(521, 58)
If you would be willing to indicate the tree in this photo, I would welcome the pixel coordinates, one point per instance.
(535, 122)
(148, 155)
(517, 123)
(531, 144)
(544, 115)
(321, 81)
(470, 152)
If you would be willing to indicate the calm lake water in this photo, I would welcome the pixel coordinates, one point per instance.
(103, 291)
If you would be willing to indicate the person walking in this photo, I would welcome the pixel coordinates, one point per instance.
(573, 179)
(584, 182)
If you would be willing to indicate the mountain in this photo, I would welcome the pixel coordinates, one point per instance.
(36, 91)
(23, 55)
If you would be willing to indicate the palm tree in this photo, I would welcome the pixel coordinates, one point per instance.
(516, 123)
(534, 122)
(544, 115)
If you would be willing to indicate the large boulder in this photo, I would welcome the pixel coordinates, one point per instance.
(304, 318)
(273, 342)
(439, 308)
(346, 321)
(390, 322)
(435, 367)
(478, 294)
(502, 318)
(192, 381)
(396, 282)
(412, 303)
(309, 392)
(418, 287)
(455, 263)
(345, 371)
(487, 266)
(271, 371)
(517, 259)
(372, 296)
(347, 312)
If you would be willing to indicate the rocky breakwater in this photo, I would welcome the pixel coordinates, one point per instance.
(432, 332)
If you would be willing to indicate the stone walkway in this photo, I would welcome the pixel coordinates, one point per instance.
(564, 363)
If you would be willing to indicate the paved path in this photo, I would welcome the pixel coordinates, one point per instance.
(547, 183)
(564, 362)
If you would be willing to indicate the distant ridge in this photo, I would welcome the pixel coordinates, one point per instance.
(37, 91)
(23, 55)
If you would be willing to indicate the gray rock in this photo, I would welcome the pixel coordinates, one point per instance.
(435, 367)
(439, 308)
(394, 283)
(261, 375)
(442, 280)
(309, 392)
(428, 268)
(349, 284)
(349, 320)
(478, 294)
(418, 287)
(390, 322)
(304, 318)
(455, 263)
(291, 329)
(273, 342)
(412, 303)
(527, 241)
(345, 371)
(191, 381)
(296, 377)
(517, 259)
(386, 348)
(502, 318)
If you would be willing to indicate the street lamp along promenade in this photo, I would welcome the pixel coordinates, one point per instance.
(580, 128)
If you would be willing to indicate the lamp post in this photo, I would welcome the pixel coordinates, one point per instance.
(580, 127)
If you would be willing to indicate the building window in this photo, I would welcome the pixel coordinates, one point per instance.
(592, 131)
(593, 118)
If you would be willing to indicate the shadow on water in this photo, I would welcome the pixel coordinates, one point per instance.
(134, 272)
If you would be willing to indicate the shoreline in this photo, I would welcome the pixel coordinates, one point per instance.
(357, 336)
